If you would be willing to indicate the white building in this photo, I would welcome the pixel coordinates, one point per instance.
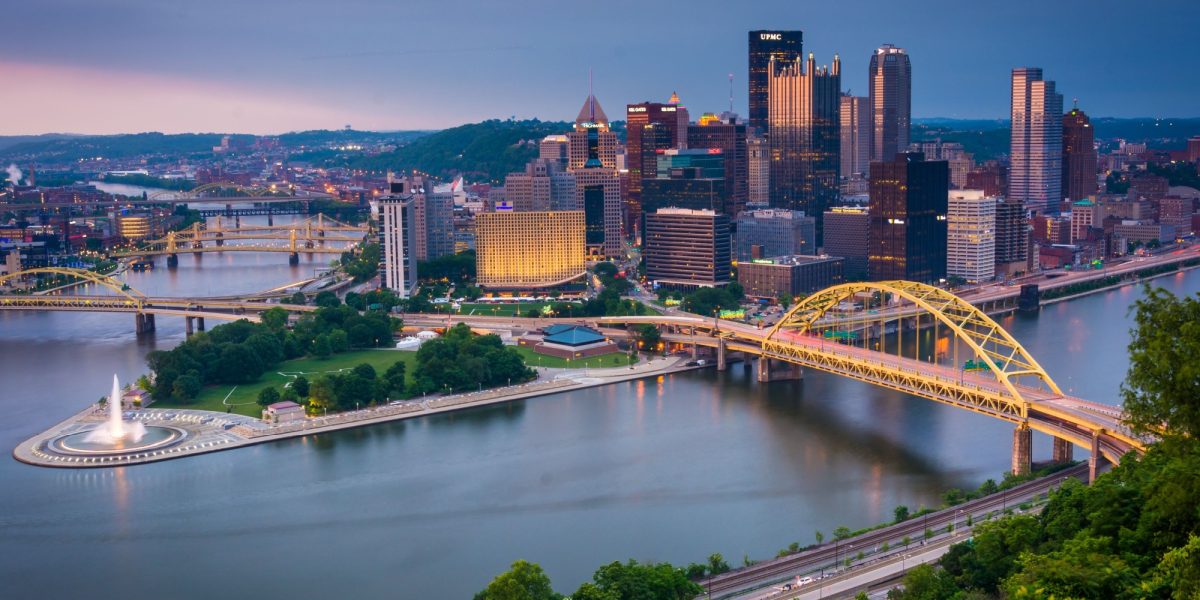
(971, 236)
(397, 240)
(758, 169)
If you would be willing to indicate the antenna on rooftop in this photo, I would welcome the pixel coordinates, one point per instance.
(731, 93)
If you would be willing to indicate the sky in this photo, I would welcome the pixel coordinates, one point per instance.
(271, 66)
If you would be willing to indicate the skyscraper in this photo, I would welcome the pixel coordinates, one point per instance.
(891, 102)
(971, 236)
(543, 186)
(908, 219)
(768, 233)
(591, 136)
(784, 47)
(1012, 237)
(598, 193)
(728, 137)
(649, 127)
(805, 137)
(687, 248)
(847, 234)
(397, 240)
(1078, 156)
(758, 170)
(856, 136)
(505, 258)
(1035, 169)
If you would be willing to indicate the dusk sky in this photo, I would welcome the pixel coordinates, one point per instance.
(109, 66)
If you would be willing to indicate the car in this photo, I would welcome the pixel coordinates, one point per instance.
(804, 581)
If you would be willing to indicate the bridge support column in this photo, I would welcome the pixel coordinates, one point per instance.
(294, 259)
(200, 323)
(1022, 450)
(775, 370)
(695, 351)
(1064, 451)
(721, 354)
(172, 261)
(189, 326)
(139, 323)
(1095, 458)
(149, 319)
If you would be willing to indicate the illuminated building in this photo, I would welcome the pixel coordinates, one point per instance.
(684, 187)
(591, 137)
(138, 225)
(890, 102)
(782, 47)
(397, 239)
(597, 185)
(960, 161)
(729, 137)
(847, 234)
(523, 250)
(793, 275)
(556, 148)
(855, 117)
(758, 170)
(805, 137)
(1035, 156)
(971, 236)
(543, 186)
(1078, 156)
(1084, 215)
(687, 248)
(774, 232)
(908, 219)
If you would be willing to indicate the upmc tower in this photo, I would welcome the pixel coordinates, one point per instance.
(786, 47)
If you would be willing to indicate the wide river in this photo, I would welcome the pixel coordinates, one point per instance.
(660, 469)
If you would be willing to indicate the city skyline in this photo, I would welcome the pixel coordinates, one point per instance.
(139, 66)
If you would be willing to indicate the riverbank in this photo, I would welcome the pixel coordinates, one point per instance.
(210, 431)
(1118, 285)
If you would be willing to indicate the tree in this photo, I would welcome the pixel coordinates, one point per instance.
(276, 318)
(652, 581)
(300, 384)
(297, 298)
(268, 396)
(395, 376)
(820, 537)
(901, 513)
(523, 581)
(365, 371)
(924, 582)
(717, 564)
(327, 299)
(321, 394)
(785, 300)
(338, 341)
(841, 533)
(648, 337)
(186, 388)
(321, 346)
(1160, 389)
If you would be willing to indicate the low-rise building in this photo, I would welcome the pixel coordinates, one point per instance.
(794, 275)
(569, 341)
(283, 412)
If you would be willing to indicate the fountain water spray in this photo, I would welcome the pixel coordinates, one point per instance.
(116, 430)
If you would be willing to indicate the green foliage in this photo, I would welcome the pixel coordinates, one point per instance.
(327, 299)
(717, 564)
(362, 266)
(460, 361)
(924, 582)
(1160, 391)
(268, 396)
(901, 513)
(842, 533)
(453, 267)
(648, 337)
(706, 301)
(637, 581)
(523, 581)
(300, 384)
(150, 181)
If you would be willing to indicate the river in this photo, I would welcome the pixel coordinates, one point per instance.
(660, 469)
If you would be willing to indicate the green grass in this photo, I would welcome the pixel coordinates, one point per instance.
(502, 310)
(533, 359)
(244, 397)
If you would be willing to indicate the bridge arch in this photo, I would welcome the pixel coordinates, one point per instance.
(990, 342)
(115, 285)
(199, 191)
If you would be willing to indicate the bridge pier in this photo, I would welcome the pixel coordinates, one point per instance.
(776, 370)
(1022, 450)
(721, 364)
(1064, 451)
(1095, 458)
(200, 323)
(294, 259)
(172, 261)
(188, 325)
(143, 323)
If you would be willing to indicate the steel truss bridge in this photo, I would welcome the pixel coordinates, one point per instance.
(308, 236)
(123, 299)
(905, 336)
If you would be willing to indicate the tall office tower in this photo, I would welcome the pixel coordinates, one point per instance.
(543, 186)
(439, 221)
(687, 248)
(1078, 155)
(758, 170)
(971, 236)
(397, 240)
(782, 47)
(961, 162)
(523, 250)
(728, 137)
(1193, 149)
(598, 194)
(890, 102)
(1084, 215)
(805, 137)
(684, 187)
(591, 136)
(1035, 157)
(774, 232)
(649, 127)
(847, 234)
(556, 148)
(856, 136)
(908, 219)
(1012, 237)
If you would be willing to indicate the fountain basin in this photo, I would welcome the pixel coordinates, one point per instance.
(155, 437)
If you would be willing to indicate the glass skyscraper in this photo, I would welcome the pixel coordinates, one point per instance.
(1035, 169)
(785, 47)
(890, 102)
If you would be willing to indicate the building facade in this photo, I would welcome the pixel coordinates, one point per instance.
(728, 137)
(687, 248)
(544, 185)
(890, 101)
(1078, 156)
(528, 250)
(792, 275)
(598, 194)
(847, 235)
(765, 47)
(1012, 237)
(592, 137)
(805, 137)
(758, 170)
(908, 219)
(1035, 155)
(971, 236)
(856, 136)
(397, 240)
(765, 233)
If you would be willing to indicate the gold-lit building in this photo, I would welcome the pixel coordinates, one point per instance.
(522, 250)
(138, 226)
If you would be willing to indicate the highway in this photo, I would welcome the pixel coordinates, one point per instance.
(757, 581)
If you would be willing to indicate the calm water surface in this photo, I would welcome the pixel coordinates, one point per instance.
(668, 469)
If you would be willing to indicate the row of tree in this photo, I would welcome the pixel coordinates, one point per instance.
(461, 361)
(615, 581)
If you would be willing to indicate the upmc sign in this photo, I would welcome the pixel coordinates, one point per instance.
(771, 37)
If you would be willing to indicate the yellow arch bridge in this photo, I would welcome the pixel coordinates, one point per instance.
(124, 299)
(905, 336)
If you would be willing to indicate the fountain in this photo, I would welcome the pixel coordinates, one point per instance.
(115, 435)
(116, 430)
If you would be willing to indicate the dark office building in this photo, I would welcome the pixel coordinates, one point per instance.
(774, 232)
(1079, 156)
(684, 188)
(890, 101)
(687, 248)
(793, 275)
(649, 126)
(785, 47)
(847, 234)
(593, 215)
(1012, 237)
(805, 137)
(730, 138)
(908, 206)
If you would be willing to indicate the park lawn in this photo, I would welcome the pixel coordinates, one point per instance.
(244, 397)
(503, 310)
(533, 359)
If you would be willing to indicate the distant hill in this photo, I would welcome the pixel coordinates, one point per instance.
(989, 138)
(484, 151)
